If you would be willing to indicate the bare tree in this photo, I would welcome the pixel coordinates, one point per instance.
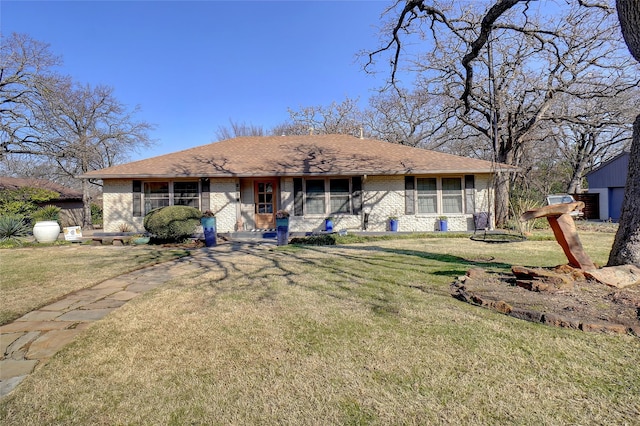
(585, 146)
(26, 72)
(237, 129)
(504, 73)
(337, 118)
(87, 128)
(626, 248)
(51, 120)
(407, 117)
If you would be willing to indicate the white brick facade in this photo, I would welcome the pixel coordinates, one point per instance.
(223, 202)
(117, 206)
(231, 199)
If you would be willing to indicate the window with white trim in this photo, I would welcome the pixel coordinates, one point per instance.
(327, 196)
(452, 195)
(432, 195)
(427, 195)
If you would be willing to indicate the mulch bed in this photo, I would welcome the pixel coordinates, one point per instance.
(565, 299)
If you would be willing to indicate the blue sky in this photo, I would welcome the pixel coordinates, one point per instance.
(193, 65)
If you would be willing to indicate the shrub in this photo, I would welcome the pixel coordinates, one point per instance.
(172, 223)
(316, 240)
(22, 201)
(12, 228)
(96, 214)
(125, 227)
(48, 212)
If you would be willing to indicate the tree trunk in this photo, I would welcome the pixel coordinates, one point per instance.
(501, 198)
(87, 222)
(575, 185)
(629, 16)
(626, 246)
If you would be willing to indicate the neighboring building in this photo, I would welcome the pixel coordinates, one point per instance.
(359, 182)
(609, 181)
(69, 200)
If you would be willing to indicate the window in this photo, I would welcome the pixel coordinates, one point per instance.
(265, 197)
(438, 195)
(156, 194)
(185, 194)
(427, 195)
(162, 194)
(327, 196)
(315, 199)
(452, 195)
(339, 196)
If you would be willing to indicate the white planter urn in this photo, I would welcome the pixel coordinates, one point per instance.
(46, 231)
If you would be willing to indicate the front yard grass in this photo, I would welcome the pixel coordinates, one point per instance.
(357, 334)
(33, 277)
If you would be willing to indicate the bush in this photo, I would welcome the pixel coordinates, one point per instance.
(96, 214)
(49, 212)
(22, 201)
(172, 223)
(316, 240)
(12, 228)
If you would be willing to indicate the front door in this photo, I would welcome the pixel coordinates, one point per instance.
(265, 197)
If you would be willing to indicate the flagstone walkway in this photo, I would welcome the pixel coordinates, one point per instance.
(33, 338)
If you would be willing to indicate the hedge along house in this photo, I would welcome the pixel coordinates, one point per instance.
(360, 183)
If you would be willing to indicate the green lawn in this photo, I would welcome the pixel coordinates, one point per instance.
(357, 334)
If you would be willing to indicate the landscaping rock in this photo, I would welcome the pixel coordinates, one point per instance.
(560, 321)
(604, 328)
(476, 273)
(559, 297)
(616, 276)
(531, 316)
(539, 279)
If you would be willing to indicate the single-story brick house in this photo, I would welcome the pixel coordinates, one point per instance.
(359, 182)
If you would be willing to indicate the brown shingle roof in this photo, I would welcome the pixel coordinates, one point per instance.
(16, 183)
(295, 156)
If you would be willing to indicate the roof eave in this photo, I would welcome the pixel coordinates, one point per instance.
(298, 173)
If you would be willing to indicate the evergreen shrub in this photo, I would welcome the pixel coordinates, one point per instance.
(172, 223)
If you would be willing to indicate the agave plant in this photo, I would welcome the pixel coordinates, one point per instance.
(48, 212)
(12, 228)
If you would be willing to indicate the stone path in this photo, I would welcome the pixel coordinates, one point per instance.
(32, 339)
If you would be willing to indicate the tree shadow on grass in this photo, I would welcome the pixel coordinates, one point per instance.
(370, 275)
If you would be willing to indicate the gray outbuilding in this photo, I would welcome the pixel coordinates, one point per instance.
(609, 181)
